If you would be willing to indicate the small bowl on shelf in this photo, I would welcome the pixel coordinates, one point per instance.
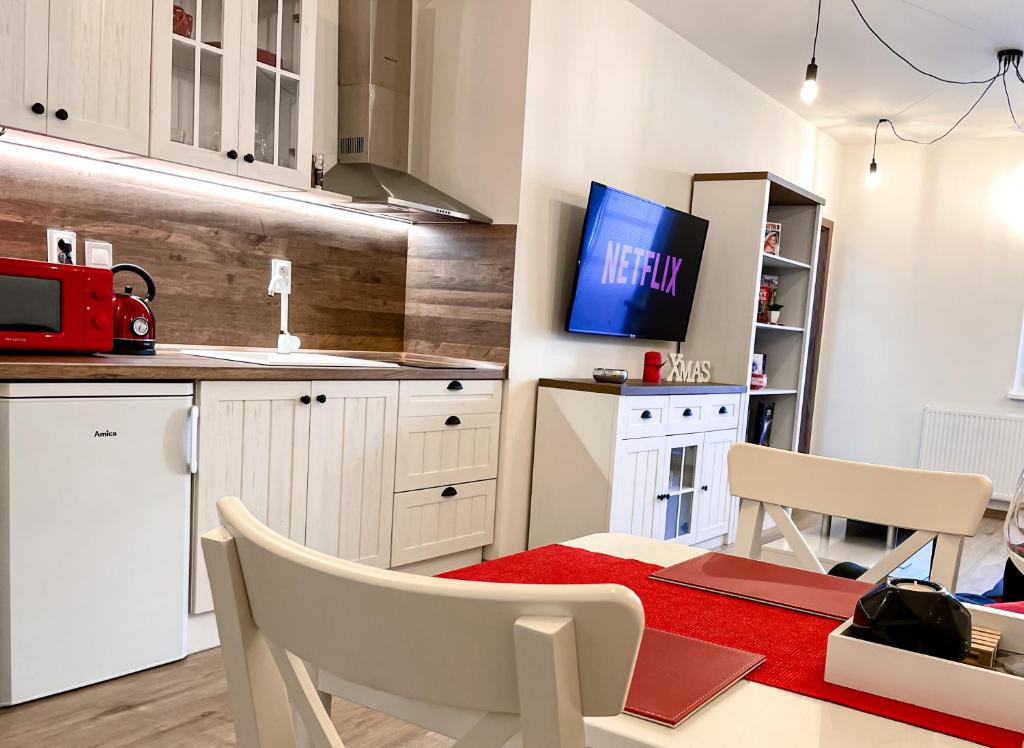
(610, 376)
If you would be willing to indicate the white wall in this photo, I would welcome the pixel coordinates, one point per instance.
(614, 96)
(925, 295)
(469, 84)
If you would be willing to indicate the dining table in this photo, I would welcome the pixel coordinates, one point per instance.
(747, 714)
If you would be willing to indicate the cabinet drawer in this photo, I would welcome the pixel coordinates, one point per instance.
(446, 397)
(437, 521)
(441, 450)
(685, 413)
(721, 412)
(643, 416)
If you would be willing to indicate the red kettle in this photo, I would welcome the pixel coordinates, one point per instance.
(134, 321)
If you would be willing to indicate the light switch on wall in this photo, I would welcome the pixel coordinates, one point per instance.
(61, 246)
(99, 254)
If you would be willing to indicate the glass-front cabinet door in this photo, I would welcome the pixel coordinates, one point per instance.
(276, 91)
(195, 88)
(678, 500)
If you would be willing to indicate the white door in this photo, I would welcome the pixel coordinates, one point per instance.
(678, 500)
(23, 44)
(714, 503)
(98, 73)
(638, 482)
(275, 126)
(253, 444)
(352, 470)
(196, 52)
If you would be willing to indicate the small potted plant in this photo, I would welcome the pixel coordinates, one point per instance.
(774, 310)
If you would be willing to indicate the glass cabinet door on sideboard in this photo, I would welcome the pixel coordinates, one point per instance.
(679, 498)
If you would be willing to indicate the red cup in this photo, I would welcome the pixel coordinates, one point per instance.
(652, 367)
(183, 21)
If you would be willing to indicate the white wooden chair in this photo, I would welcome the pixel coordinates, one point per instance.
(944, 507)
(532, 658)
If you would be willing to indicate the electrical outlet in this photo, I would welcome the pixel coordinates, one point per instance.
(281, 269)
(61, 247)
(99, 254)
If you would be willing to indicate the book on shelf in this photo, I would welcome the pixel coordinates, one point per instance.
(769, 285)
(758, 375)
(772, 238)
(759, 422)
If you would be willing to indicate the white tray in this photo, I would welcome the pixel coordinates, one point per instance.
(954, 688)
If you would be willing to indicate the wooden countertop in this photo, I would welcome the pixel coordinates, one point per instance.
(172, 365)
(640, 387)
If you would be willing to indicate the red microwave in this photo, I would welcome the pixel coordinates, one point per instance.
(48, 307)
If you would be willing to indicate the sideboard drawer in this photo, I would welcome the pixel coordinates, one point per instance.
(685, 414)
(643, 416)
(445, 397)
(721, 412)
(434, 522)
(441, 450)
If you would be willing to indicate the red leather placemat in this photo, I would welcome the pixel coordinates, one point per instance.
(801, 590)
(793, 643)
(677, 675)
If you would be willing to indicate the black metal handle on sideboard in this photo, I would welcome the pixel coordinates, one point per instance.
(662, 497)
(455, 386)
(449, 492)
(305, 399)
(687, 413)
(723, 410)
(452, 421)
(647, 415)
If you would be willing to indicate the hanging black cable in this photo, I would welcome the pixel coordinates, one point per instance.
(953, 127)
(809, 91)
(908, 62)
(1006, 90)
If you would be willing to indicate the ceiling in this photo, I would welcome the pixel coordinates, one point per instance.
(769, 44)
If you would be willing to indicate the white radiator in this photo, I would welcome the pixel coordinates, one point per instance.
(962, 442)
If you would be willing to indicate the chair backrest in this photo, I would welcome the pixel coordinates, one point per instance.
(944, 507)
(472, 645)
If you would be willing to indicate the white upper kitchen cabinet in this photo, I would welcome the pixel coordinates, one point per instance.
(24, 39)
(196, 54)
(233, 86)
(352, 435)
(77, 69)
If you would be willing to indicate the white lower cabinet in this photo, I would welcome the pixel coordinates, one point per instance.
(351, 470)
(253, 444)
(436, 522)
(651, 465)
(327, 464)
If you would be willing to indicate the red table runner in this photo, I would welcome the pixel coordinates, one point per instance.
(793, 643)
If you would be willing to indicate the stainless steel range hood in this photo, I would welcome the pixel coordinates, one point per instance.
(375, 47)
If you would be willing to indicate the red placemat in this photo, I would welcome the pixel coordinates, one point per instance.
(793, 643)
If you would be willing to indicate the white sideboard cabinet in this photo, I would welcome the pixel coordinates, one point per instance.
(642, 459)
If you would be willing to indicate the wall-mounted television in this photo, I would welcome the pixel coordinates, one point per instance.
(637, 269)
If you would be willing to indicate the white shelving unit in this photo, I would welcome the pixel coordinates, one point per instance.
(724, 327)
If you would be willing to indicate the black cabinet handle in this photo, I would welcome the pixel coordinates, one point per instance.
(248, 158)
(703, 488)
(687, 413)
(232, 154)
(449, 492)
(38, 108)
(723, 410)
(61, 114)
(452, 421)
(646, 415)
(455, 386)
(321, 398)
(662, 497)
(305, 399)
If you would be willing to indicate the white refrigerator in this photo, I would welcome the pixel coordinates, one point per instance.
(95, 494)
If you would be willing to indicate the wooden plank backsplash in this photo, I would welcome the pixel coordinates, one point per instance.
(209, 249)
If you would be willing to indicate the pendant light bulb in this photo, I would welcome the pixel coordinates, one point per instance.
(874, 177)
(809, 91)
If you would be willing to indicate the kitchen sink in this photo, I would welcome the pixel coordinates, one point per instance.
(273, 358)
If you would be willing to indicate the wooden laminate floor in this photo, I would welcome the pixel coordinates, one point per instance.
(184, 705)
